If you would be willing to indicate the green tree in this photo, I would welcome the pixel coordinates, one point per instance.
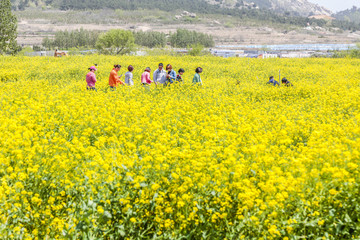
(150, 39)
(116, 42)
(8, 29)
(182, 38)
(47, 43)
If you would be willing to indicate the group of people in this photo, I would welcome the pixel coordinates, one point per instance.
(275, 83)
(160, 76)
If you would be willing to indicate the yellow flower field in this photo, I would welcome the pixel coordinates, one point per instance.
(221, 161)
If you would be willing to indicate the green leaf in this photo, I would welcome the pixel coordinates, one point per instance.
(347, 218)
(332, 212)
(107, 214)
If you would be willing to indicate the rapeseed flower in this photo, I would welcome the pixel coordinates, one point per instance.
(246, 159)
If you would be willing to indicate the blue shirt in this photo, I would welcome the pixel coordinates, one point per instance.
(172, 76)
(273, 82)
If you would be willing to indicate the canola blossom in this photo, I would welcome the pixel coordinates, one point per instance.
(217, 161)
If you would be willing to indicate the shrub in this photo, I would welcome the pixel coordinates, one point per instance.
(182, 38)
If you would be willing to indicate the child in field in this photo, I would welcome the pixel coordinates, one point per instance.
(91, 78)
(273, 82)
(179, 78)
(129, 76)
(197, 78)
(286, 83)
(145, 77)
(171, 74)
(114, 79)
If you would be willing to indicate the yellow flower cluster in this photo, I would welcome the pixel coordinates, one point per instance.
(221, 161)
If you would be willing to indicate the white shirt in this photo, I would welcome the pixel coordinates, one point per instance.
(129, 78)
(159, 76)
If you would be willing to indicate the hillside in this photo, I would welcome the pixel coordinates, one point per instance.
(292, 7)
(235, 8)
(230, 22)
(302, 7)
(350, 15)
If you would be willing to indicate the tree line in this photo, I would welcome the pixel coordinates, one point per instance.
(70, 39)
(349, 15)
(94, 39)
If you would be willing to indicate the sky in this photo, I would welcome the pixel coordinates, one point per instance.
(337, 5)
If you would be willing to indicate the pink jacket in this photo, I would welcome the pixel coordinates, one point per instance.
(91, 79)
(145, 78)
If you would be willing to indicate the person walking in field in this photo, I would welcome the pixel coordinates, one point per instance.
(145, 78)
(273, 82)
(171, 75)
(159, 75)
(179, 78)
(286, 83)
(129, 76)
(91, 79)
(197, 78)
(114, 79)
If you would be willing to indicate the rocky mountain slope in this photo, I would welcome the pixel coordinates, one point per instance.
(293, 7)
